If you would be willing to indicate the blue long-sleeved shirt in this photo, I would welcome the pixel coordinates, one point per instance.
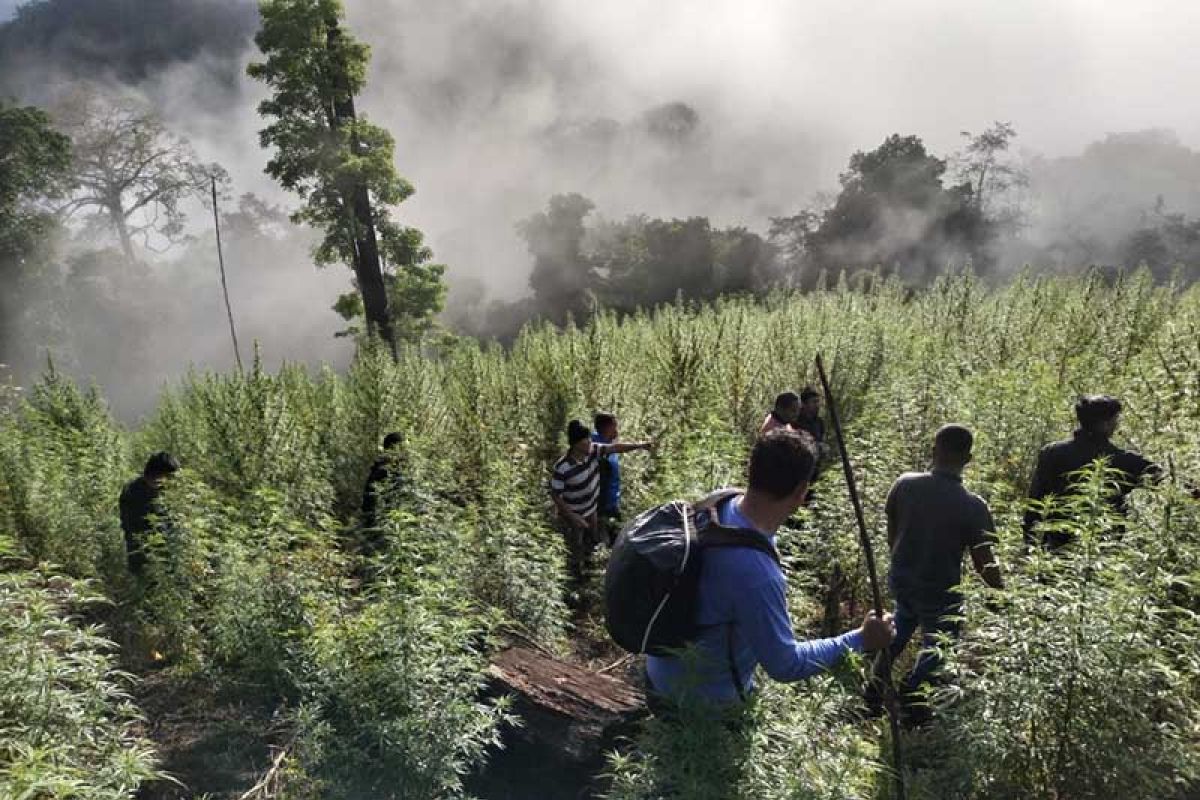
(610, 485)
(746, 588)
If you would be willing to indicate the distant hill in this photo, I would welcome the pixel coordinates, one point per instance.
(122, 39)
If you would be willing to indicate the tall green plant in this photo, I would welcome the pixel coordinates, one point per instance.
(342, 166)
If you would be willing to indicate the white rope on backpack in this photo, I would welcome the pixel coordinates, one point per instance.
(687, 549)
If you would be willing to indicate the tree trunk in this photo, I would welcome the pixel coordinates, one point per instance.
(368, 267)
(570, 714)
(117, 214)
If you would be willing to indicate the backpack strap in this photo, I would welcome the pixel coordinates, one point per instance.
(716, 535)
(716, 498)
(711, 533)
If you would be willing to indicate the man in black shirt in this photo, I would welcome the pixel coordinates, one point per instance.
(1058, 463)
(384, 478)
(811, 423)
(139, 502)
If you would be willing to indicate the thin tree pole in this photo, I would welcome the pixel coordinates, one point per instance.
(237, 353)
(884, 656)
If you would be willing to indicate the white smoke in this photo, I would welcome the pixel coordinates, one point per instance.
(733, 109)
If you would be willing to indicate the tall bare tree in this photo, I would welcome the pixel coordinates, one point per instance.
(131, 174)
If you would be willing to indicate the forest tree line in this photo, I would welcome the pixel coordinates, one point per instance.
(107, 228)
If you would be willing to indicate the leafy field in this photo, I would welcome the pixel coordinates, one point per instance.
(1084, 683)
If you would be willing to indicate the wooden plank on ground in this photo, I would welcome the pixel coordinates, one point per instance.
(569, 711)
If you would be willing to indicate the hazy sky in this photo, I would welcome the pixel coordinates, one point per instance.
(497, 104)
(786, 90)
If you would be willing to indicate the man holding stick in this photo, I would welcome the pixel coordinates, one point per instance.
(742, 609)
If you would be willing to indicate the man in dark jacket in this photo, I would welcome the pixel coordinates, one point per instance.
(1058, 463)
(139, 502)
(383, 479)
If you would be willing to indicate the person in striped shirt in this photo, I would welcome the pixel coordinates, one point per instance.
(575, 488)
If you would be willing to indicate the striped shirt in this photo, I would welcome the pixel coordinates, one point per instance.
(577, 483)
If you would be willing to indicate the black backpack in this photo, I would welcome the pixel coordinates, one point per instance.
(651, 583)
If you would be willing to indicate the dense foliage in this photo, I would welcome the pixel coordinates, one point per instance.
(341, 165)
(376, 666)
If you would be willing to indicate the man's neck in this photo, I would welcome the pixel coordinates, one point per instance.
(954, 470)
(764, 514)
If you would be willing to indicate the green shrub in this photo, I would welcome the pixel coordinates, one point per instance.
(1082, 683)
(256, 581)
(68, 728)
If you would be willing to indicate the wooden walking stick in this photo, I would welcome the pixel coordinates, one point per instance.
(884, 656)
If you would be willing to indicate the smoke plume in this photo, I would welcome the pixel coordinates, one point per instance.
(737, 111)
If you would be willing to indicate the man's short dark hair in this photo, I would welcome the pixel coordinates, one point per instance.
(577, 431)
(603, 420)
(808, 393)
(1092, 409)
(781, 461)
(160, 464)
(393, 439)
(954, 439)
(786, 400)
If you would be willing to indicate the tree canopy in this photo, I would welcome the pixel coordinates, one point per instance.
(341, 165)
(894, 211)
(130, 174)
(34, 166)
(34, 169)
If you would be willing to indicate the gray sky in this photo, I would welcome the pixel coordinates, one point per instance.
(495, 104)
(786, 90)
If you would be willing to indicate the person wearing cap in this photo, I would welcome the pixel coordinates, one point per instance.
(575, 488)
(139, 503)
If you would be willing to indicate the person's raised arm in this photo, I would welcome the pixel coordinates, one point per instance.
(623, 447)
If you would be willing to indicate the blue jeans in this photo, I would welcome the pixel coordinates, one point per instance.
(934, 622)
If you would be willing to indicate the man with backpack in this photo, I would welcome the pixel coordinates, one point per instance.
(575, 489)
(730, 597)
(932, 519)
